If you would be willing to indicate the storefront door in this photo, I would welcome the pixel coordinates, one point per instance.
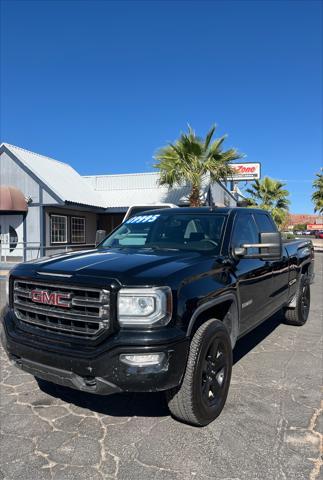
(11, 237)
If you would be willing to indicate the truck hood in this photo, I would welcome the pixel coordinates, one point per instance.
(127, 265)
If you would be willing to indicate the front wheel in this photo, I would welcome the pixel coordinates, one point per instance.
(204, 389)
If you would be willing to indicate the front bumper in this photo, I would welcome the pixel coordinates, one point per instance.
(98, 371)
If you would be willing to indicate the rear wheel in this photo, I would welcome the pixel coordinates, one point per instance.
(299, 314)
(203, 392)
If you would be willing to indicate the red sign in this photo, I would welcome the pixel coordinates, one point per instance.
(245, 171)
(241, 169)
(56, 299)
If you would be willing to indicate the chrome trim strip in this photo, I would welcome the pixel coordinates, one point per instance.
(50, 312)
(97, 318)
(247, 303)
(64, 328)
(66, 275)
(57, 286)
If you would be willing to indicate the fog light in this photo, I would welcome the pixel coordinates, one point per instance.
(142, 359)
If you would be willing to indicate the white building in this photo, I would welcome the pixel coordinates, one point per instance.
(47, 207)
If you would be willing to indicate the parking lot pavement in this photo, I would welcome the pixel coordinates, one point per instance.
(270, 429)
(318, 244)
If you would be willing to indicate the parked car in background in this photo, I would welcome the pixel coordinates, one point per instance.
(319, 234)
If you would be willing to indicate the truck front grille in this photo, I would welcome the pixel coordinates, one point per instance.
(67, 310)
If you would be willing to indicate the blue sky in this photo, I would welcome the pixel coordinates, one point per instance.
(102, 84)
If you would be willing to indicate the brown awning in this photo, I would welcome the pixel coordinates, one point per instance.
(12, 199)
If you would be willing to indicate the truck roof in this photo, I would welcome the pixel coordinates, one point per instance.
(223, 210)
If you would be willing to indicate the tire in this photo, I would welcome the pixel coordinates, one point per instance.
(202, 394)
(298, 315)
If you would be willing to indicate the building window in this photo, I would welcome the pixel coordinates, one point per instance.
(78, 230)
(58, 229)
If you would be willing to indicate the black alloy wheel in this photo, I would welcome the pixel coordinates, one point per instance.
(214, 372)
(204, 389)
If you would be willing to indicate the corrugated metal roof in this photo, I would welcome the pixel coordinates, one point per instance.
(107, 191)
(138, 188)
(124, 181)
(60, 177)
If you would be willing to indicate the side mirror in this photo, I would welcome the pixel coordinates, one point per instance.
(269, 247)
(99, 236)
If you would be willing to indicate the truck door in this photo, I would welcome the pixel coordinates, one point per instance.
(279, 287)
(254, 276)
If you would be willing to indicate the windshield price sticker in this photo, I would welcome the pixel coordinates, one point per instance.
(143, 219)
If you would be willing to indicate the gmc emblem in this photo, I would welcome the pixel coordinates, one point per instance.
(57, 299)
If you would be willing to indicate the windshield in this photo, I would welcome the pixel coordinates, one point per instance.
(197, 232)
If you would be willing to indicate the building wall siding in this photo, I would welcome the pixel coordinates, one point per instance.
(48, 199)
(33, 233)
(220, 195)
(12, 174)
(90, 226)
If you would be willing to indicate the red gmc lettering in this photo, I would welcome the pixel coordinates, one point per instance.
(36, 296)
(243, 169)
(42, 296)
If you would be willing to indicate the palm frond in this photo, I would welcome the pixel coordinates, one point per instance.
(270, 195)
(317, 196)
(191, 157)
(208, 137)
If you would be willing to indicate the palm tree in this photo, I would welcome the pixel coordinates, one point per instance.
(317, 196)
(270, 195)
(190, 158)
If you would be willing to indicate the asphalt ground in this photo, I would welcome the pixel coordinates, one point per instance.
(270, 429)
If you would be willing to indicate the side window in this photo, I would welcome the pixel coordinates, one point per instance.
(78, 230)
(264, 223)
(58, 229)
(245, 231)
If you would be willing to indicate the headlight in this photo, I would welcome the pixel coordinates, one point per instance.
(144, 307)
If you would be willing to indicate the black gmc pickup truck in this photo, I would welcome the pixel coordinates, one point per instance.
(157, 306)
